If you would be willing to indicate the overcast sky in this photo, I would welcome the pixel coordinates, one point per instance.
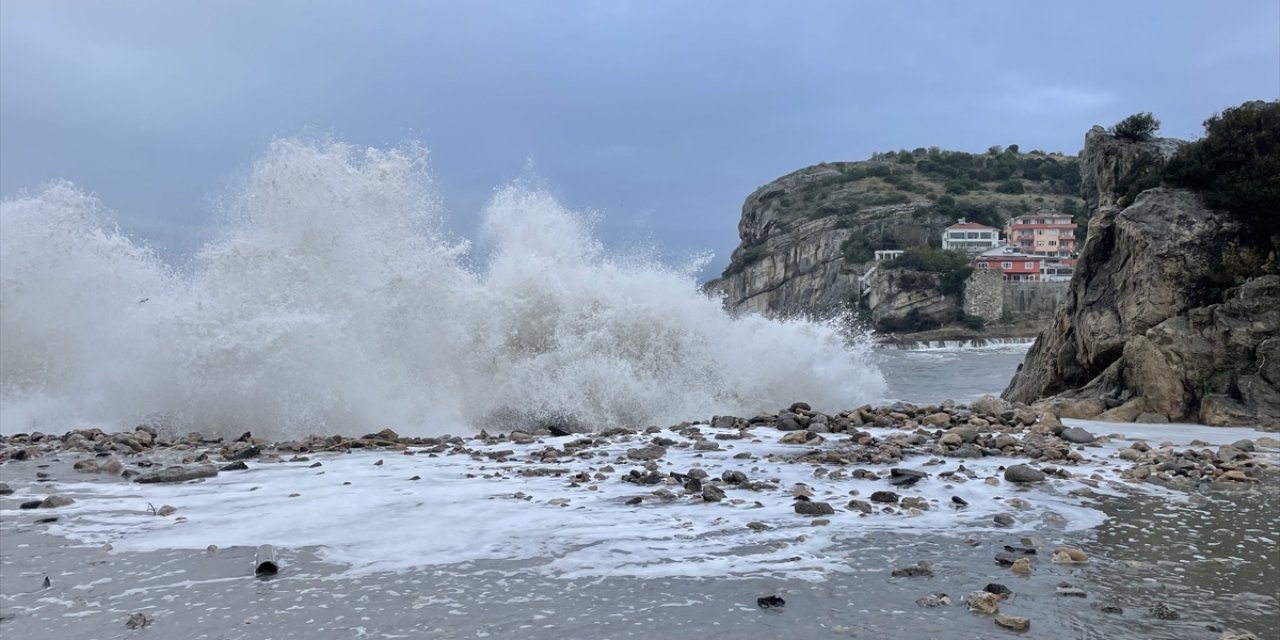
(661, 115)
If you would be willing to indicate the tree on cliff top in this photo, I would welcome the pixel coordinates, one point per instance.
(1139, 127)
(1236, 165)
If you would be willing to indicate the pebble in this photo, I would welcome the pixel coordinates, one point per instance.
(810, 508)
(983, 602)
(922, 569)
(934, 600)
(1023, 473)
(1069, 554)
(1013, 622)
(1021, 566)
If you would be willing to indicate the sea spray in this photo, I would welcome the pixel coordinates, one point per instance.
(335, 301)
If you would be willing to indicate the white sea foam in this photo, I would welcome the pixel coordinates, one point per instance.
(334, 301)
(460, 510)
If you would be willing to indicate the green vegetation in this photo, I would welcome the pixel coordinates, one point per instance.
(1236, 165)
(953, 265)
(1139, 127)
(744, 259)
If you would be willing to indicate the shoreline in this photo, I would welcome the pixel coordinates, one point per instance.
(1000, 333)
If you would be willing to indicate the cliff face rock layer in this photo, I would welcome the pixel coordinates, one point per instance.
(1173, 311)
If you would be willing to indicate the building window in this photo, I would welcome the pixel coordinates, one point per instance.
(984, 265)
(1053, 243)
(1006, 265)
(1039, 232)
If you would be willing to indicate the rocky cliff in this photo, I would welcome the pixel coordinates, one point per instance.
(1174, 311)
(808, 238)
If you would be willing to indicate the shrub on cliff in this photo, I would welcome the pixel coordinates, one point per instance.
(1236, 165)
(1139, 127)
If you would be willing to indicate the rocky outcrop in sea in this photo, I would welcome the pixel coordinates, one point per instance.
(1174, 312)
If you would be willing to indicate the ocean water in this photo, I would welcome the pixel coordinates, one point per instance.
(334, 300)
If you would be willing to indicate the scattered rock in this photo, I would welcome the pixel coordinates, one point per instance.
(1071, 592)
(30, 504)
(1021, 566)
(520, 437)
(651, 452)
(983, 602)
(860, 505)
(1004, 520)
(958, 501)
(922, 569)
(1163, 612)
(915, 503)
(810, 508)
(238, 465)
(771, 602)
(55, 501)
(137, 621)
(5, 489)
(712, 493)
(886, 497)
(1076, 435)
(934, 600)
(1013, 622)
(1023, 473)
(166, 510)
(937, 420)
(178, 474)
(1069, 554)
(998, 589)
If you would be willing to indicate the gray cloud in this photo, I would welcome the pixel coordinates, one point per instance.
(660, 115)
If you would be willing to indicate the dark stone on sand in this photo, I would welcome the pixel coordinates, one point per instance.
(958, 501)
(998, 589)
(810, 508)
(635, 501)
(1023, 473)
(5, 489)
(770, 602)
(732, 476)
(48, 520)
(178, 474)
(887, 497)
(557, 431)
(860, 505)
(646, 453)
(1077, 435)
(712, 493)
(30, 504)
(1026, 551)
(238, 465)
(137, 621)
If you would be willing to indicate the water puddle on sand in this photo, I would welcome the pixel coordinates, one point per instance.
(477, 547)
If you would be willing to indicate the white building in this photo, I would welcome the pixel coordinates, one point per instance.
(970, 237)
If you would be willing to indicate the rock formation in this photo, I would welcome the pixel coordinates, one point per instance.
(1174, 311)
